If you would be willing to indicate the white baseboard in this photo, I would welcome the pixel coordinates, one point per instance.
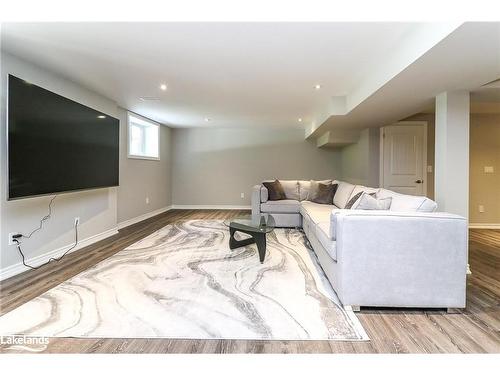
(43, 258)
(209, 207)
(484, 225)
(145, 216)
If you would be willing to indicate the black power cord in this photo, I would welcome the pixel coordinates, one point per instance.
(45, 218)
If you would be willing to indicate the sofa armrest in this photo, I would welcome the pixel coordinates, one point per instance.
(256, 199)
(412, 254)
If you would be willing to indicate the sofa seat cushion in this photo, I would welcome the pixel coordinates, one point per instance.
(317, 212)
(322, 234)
(281, 206)
(404, 202)
(325, 227)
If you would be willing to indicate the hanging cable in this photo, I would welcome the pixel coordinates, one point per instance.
(17, 239)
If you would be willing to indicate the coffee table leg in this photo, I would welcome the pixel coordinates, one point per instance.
(257, 238)
(234, 243)
(260, 240)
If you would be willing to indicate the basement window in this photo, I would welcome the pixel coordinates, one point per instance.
(143, 138)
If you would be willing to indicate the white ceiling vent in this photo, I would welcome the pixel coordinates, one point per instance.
(149, 98)
(493, 84)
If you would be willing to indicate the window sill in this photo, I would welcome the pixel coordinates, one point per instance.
(143, 157)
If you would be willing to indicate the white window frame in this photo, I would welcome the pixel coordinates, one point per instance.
(139, 120)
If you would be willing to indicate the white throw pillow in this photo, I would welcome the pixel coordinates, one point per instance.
(368, 202)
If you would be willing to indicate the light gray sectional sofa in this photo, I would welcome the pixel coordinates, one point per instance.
(407, 256)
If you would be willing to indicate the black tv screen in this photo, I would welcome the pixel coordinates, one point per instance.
(57, 145)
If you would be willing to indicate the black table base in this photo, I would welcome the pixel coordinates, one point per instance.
(257, 238)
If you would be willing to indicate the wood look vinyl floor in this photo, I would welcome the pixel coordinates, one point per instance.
(475, 329)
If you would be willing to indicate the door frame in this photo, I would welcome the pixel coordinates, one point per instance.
(424, 156)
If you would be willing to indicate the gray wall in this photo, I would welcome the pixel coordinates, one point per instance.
(143, 178)
(99, 210)
(484, 188)
(360, 161)
(213, 166)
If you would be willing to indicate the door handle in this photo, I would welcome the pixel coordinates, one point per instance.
(419, 181)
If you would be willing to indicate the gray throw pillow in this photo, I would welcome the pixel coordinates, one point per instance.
(275, 190)
(353, 200)
(322, 193)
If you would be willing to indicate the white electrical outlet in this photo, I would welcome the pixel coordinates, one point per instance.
(242, 195)
(429, 169)
(11, 238)
(77, 221)
(147, 200)
(481, 208)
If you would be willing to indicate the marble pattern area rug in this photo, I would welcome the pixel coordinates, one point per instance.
(184, 282)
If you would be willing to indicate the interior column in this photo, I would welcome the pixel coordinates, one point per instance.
(452, 152)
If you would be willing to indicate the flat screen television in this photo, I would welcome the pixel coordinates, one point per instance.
(56, 144)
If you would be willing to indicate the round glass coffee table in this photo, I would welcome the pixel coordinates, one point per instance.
(257, 226)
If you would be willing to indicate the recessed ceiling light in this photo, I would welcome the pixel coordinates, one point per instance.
(163, 87)
(317, 86)
(101, 116)
(207, 119)
(300, 119)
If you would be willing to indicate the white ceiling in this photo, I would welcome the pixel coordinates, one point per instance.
(263, 74)
(237, 74)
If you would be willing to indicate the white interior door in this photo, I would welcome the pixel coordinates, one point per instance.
(404, 157)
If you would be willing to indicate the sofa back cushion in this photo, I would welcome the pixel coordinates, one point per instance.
(343, 193)
(404, 202)
(291, 189)
(363, 189)
(305, 186)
